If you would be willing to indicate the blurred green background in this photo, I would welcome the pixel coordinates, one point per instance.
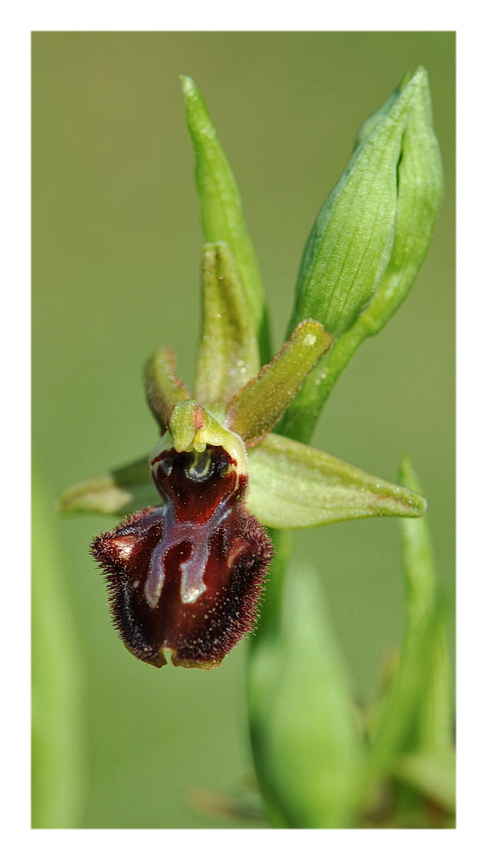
(116, 256)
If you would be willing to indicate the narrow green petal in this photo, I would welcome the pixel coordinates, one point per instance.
(119, 492)
(295, 486)
(221, 206)
(229, 351)
(255, 410)
(163, 388)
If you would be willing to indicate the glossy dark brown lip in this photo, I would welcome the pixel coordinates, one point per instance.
(187, 576)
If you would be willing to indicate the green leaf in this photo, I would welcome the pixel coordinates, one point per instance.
(306, 742)
(58, 767)
(431, 773)
(122, 491)
(254, 411)
(414, 715)
(221, 207)
(229, 352)
(295, 486)
(435, 730)
(164, 389)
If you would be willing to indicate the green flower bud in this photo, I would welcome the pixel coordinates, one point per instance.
(370, 239)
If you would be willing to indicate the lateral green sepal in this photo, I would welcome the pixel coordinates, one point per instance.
(118, 492)
(228, 354)
(296, 486)
(255, 410)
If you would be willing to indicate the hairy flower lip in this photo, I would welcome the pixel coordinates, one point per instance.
(187, 576)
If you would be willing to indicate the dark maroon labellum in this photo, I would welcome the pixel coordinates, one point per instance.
(187, 575)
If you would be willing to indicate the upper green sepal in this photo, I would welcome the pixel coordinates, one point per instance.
(296, 486)
(229, 350)
(221, 206)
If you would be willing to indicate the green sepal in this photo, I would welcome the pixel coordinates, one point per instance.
(295, 486)
(229, 351)
(306, 740)
(221, 207)
(256, 408)
(119, 492)
(164, 389)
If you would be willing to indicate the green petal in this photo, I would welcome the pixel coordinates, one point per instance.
(295, 486)
(229, 351)
(119, 492)
(255, 410)
(164, 389)
(221, 206)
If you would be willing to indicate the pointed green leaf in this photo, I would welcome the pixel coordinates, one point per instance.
(119, 492)
(229, 351)
(221, 207)
(305, 738)
(414, 714)
(163, 388)
(435, 728)
(295, 486)
(58, 753)
(395, 723)
(431, 773)
(255, 410)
